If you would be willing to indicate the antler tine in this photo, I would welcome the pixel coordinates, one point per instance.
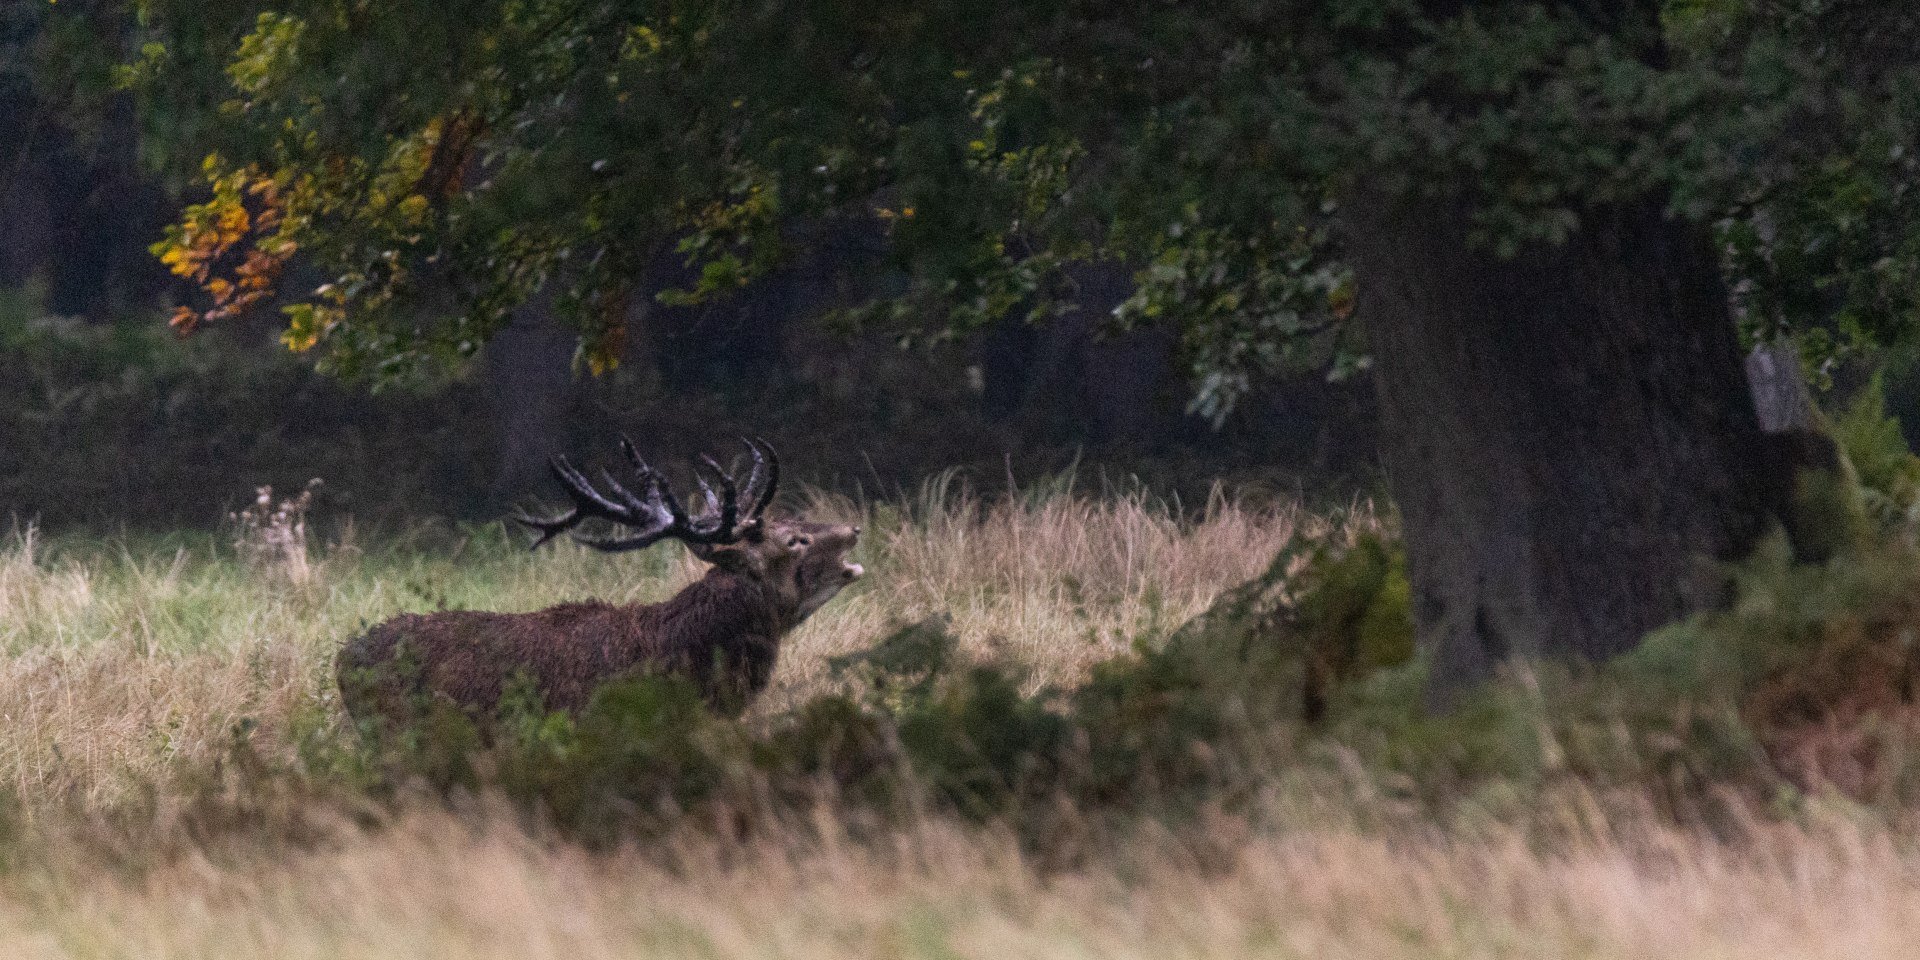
(755, 477)
(706, 493)
(653, 513)
(622, 494)
(586, 499)
(762, 498)
(588, 503)
(633, 456)
(729, 498)
(547, 527)
(657, 485)
(661, 523)
(622, 545)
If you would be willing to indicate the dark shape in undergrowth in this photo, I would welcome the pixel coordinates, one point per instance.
(904, 664)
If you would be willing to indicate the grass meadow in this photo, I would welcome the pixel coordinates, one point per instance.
(126, 665)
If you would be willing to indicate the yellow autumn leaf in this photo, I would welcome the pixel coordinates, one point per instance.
(306, 324)
(601, 365)
(178, 260)
(233, 223)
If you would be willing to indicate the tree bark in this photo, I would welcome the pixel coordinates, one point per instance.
(1568, 433)
(1780, 395)
(530, 380)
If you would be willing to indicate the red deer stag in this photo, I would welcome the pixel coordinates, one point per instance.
(722, 632)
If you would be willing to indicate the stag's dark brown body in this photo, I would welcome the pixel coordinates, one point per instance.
(722, 632)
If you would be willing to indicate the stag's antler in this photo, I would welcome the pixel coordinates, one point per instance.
(655, 513)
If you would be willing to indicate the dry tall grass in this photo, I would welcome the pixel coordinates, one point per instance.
(123, 665)
(122, 660)
(436, 887)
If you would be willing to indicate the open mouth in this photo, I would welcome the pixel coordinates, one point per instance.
(852, 571)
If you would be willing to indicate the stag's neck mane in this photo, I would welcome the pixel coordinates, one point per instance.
(726, 604)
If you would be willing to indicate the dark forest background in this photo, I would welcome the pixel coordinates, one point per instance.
(107, 418)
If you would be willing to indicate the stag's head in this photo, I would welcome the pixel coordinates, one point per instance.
(803, 561)
(822, 568)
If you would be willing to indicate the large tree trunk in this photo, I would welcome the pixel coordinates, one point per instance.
(1568, 432)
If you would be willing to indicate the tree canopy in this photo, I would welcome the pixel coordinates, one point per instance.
(438, 162)
(1548, 217)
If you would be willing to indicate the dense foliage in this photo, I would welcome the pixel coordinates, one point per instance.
(439, 168)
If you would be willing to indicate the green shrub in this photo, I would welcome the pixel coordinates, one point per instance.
(966, 738)
(832, 743)
(982, 746)
(1887, 471)
(1815, 668)
(642, 753)
(1329, 612)
(1149, 728)
(903, 666)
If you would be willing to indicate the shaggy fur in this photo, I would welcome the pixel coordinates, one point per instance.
(723, 632)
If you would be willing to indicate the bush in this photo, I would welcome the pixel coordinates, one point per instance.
(1887, 472)
(927, 730)
(1815, 667)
